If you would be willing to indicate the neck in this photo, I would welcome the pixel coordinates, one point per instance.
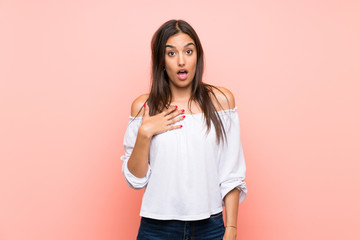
(180, 94)
(181, 97)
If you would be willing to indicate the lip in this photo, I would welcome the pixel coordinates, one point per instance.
(182, 69)
(183, 76)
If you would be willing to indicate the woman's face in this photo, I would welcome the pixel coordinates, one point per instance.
(180, 60)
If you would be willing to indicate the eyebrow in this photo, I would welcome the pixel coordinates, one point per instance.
(171, 46)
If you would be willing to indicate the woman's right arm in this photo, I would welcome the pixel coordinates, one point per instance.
(150, 126)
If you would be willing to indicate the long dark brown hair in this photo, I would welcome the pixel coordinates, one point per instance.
(160, 94)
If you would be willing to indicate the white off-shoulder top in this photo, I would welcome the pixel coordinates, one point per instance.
(189, 174)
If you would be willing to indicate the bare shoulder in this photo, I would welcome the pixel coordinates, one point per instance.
(137, 105)
(225, 98)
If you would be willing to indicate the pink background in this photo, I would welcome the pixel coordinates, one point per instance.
(69, 71)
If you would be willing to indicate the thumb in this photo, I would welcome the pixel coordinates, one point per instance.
(146, 110)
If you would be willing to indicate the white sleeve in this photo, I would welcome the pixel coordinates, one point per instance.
(129, 142)
(232, 162)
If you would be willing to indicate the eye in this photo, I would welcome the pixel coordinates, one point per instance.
(189, 51)
(171, 53)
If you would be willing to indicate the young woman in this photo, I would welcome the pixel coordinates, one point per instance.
(183, 144)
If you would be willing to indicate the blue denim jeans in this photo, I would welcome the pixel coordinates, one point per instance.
(207, 229)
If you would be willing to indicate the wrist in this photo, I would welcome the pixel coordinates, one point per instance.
(144, 133)
(231, 227)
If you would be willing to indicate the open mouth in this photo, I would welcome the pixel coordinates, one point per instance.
(182, 74)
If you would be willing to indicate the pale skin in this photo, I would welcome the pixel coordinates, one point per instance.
(180, 54)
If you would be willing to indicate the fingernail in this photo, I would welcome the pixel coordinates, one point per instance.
(181, 126)
(183, 110)
(175, 106)
(184, 116)
(144, 104)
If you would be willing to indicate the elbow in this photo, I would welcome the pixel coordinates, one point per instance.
(230, 184)
(133, 181)
(137, 185)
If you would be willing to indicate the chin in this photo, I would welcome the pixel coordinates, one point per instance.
(182, 84)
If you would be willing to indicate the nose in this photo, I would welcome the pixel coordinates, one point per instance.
(181, 60)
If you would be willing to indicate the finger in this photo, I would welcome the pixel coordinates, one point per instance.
(175, 114)
(175, 120)
(172, 127)
(170, 110)
(146, 110)
(180, 118)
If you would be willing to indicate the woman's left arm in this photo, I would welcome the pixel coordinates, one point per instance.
(231, 209)
(232, 165)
